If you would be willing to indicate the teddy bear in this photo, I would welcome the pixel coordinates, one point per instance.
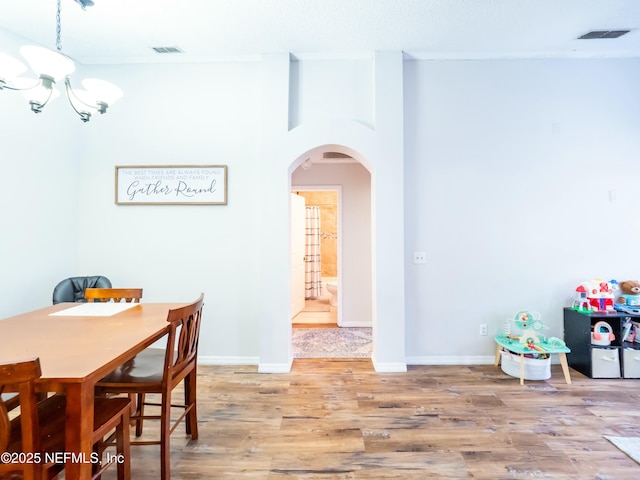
(629, 293)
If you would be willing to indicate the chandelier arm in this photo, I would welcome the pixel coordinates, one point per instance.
(84, 116)
(71, 93)
(4, 85)
(37, 107)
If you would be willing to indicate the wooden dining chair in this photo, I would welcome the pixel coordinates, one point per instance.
(160, 370)
(38, 432)
(117, 295)
(113, 294)
(10, 400)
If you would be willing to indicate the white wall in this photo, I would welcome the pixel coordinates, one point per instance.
(326, 89)
(39, 201)
(355, 180)
(189, 114)
(508, 173)
(507, 165)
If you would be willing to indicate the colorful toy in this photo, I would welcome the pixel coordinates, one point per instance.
(580, 301)
(555, 342)
(533, 346)
(630, 294)
(530, 324)
(595, 295)
(602, 334)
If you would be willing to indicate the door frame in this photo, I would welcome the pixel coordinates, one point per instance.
(338, 188)
(298, 234)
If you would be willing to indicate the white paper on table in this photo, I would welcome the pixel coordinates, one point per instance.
(98, 309)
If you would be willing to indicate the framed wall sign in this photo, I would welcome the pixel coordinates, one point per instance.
(171, 185)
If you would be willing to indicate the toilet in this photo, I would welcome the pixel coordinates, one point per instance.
(333, 290)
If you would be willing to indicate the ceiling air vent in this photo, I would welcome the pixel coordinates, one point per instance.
(167, 50)
(335, 155)
(603, 34)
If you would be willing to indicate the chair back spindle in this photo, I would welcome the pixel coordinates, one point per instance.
(184, 332)
(117, 295)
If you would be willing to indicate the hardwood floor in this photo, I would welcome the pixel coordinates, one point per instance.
(339, 420)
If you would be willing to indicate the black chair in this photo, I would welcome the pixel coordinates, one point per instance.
(72, 289)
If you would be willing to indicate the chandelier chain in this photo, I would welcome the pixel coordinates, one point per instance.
(58, 29)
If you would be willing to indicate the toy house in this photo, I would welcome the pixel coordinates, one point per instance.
(595, 295)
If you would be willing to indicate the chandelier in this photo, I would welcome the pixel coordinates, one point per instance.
(53, 66)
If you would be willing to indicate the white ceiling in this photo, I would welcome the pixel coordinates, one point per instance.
(123, 31)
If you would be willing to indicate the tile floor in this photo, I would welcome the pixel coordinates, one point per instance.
(311, 313)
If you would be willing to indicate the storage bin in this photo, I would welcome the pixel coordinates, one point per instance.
(534, 368)
(605, 363)
(631, 363)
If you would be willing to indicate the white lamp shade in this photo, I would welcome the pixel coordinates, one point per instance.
(102, 91)
(87, 98)
(10, 67)
(47, 62)
(24, 83)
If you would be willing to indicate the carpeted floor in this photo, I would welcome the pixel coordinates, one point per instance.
(629, 445)
(331, 342)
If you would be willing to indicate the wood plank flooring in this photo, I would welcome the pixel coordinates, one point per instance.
(339, 420)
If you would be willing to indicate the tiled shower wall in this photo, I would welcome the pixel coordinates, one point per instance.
(327, 200)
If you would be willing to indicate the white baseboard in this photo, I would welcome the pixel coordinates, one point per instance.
(262, 367)
(356, 324)
(388, 367)
(215, 360)
(459, 360)
(452, 360)
(275, 367)
(382, 367)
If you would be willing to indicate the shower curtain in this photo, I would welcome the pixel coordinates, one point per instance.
(312, 271)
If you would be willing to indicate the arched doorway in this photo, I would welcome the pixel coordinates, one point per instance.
(324, 169)
(387, 239)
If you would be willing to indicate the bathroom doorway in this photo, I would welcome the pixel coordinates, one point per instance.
(336, 322)
(323, 246)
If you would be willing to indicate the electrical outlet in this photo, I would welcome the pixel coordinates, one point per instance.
(419, 257)
(484, 329)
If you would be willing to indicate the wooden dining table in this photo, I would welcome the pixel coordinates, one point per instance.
(78, 345)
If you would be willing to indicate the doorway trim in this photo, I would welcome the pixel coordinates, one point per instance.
(338, 188)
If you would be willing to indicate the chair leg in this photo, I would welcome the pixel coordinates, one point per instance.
(187, 397)
(190, 392)
(139, 413)
(98, 449)
(123, 443)
(134, 404)
(165, 434)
